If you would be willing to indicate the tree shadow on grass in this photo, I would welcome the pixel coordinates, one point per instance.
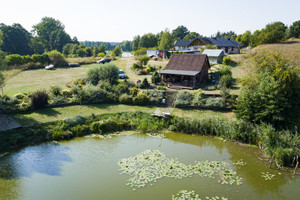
(47, 158)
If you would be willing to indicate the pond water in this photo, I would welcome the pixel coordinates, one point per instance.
(87, 168)
(127, 54)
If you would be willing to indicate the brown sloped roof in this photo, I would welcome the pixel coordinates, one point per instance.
(188, 62)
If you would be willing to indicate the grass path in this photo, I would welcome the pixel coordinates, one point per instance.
(59, 113)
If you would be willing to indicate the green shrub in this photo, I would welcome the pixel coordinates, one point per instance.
(122, 88)
(156, 78)
(94, 94)
(134, 91)
(227, 61)
(27, 59)
(140, 52)
(145, 84)
(183, 98)
(215, 102)
(199, 98)
(58, 99)
(160, 87)
(57, 58)
(155, 96)
(66, 93)
(148, 70)
(144, 59)
(141, 99)
(55, 90)
(224, 70)
(101, 54)
(39, 99)
(14, 59)
(136, 66)
(108, 72)
(226, 81)
(125, 99)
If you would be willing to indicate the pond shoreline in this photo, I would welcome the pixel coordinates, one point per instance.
(240, 132)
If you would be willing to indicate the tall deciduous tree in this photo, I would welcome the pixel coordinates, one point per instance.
(51, 33)
(166, 41)
(180, 32)
(148, 40)
(135, 43)
(192, 36)
(274, 32)
(294, 30)
(117, 51)
(16, 39)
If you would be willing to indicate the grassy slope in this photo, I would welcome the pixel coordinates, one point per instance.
(59, 113)
(32, 80)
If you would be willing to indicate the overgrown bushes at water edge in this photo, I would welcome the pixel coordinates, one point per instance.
(283, 145)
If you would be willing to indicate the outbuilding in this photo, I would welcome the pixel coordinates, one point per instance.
(214, 55)
(186, 71)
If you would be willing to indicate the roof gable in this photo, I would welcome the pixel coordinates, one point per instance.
(187, 62)
(197, 42)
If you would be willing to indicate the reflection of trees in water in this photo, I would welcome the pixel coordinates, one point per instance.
(44, 158)
(251, 173)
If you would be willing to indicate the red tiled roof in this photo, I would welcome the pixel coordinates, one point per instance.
(188, 62)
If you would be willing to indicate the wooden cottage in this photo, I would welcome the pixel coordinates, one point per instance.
(214, 55)
(186, 71)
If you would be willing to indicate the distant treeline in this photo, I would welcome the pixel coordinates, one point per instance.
(125, 45)
(49, 34)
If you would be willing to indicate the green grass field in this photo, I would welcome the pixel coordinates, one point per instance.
(59, 113)
(32, 80)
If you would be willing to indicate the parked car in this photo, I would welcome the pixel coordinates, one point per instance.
(122, 74)
(51, 66)
(103, 60)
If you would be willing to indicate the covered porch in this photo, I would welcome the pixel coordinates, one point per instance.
(181, 78)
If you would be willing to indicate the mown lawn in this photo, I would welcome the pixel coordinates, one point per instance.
(32, 80)
(59, 113)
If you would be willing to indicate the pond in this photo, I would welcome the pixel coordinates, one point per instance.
(127, 54)
(89, 168)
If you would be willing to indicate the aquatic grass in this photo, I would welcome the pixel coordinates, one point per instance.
(267, 176)
(191, 195)
(151, 165)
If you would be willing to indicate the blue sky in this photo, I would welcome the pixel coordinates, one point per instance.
(117, 20)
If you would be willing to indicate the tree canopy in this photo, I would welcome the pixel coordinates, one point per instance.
(192, 36)
(16, 39)
(271, 93)
(51, 34)
(294, 30)
(166, 41)
(180, 32)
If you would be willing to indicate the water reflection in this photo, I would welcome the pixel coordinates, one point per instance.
(251, 172)
(44, 158)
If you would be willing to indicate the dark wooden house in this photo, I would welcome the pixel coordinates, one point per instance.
(186, 71)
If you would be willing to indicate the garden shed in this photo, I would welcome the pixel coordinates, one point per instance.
(186, 71)
(214, 55)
